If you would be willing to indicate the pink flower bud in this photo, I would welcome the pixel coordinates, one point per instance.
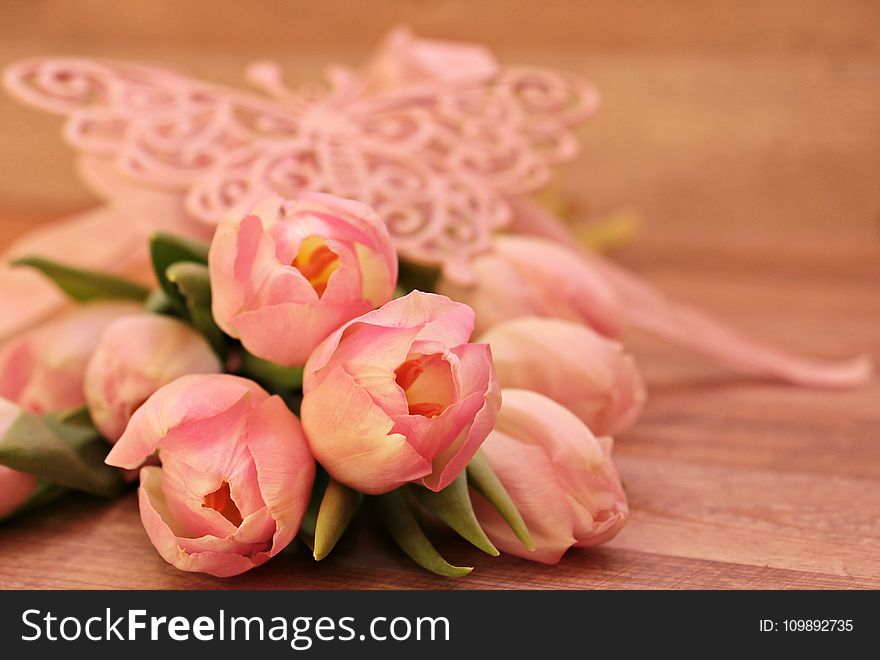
(559, 475)
(399, 395)
(532, 277)
(568, 362)
(287, 274)
(136, 355)
(42, 370)
(524, 276)
(16, 487)
(236, 474)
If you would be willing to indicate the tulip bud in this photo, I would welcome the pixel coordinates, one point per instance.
(399, 395)
(136, 355)
(236, 474)
(532, 277)
(42, 370)
(559, 475)
(287, 274)
(524, 276)
(16, 487)
(568, 362)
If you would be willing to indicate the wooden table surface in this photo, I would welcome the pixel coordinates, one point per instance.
(757, 173)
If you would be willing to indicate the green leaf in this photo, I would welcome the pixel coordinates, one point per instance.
(68, 455)
(192, 286)
(482, 478)
(453, 506)
(80, 416)
(159, 303)
(399, 519)
(273, 377)
(338, 507)
(307, 527)
(167, 250)
(85, 285)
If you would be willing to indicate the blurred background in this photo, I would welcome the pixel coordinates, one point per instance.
(719, 119)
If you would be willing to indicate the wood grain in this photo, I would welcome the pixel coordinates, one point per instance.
(749, 140)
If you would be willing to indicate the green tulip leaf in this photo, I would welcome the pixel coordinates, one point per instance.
(167, 250)
(70, 455)
(192, 286)
(310, 519)
(482, 478)
(80, 416)
(85, 285)
(398, 518)
(273, 377)
(453, 506)
(158, 302)
(338, 507)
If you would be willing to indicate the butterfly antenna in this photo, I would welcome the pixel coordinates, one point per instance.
(266, 75)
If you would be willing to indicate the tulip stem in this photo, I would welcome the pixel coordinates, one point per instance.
(400, 521)
(483, 479)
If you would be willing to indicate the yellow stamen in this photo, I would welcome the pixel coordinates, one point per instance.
(317, 262)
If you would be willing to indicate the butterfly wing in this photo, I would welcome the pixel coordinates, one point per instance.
(437, 162)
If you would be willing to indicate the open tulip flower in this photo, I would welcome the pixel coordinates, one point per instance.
(572, 364)
(236, 472)
(284, 275)
(559, 475)
(399, 395)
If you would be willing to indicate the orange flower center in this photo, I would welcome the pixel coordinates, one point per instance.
(316, 262)
(427, 382)
(221, 501)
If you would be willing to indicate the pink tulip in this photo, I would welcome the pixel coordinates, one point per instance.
(528, 276)
(236, 473)
(286, 274)
(399, 395)
(16, 487)
(138, 354)
(532, 277)
(101, 239)
(559, 475)
(568, 362)
(42, 370)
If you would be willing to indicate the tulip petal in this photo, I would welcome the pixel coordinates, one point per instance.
(159, 523)
(188, 399)
(284, 466)
(340, 413)
(289, 331)
(531, 482)
(100, 239)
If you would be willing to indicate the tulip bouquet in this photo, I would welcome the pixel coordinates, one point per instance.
(303, 356)
(297, 307)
